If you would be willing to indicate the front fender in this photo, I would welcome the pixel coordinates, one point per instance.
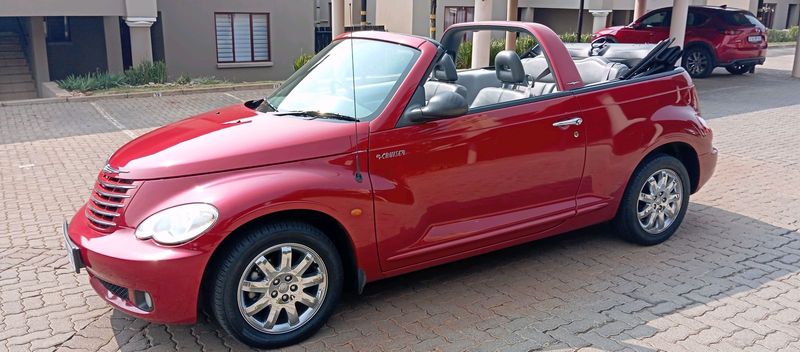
(325, 185)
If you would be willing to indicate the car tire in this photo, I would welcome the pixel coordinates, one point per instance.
(663, 203)
(698, 62)
(739, 69)
(280, 286)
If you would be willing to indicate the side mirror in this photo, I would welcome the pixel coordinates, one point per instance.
(635, 25)
(443, 105)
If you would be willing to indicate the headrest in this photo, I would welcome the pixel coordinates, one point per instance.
(508, 67)
(445, 70)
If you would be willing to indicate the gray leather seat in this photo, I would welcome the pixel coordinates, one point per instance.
(596, 69)
(445, 74)
(534, 67)
(509, 70)
(592, 70)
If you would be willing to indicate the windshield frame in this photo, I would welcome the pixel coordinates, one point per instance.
(297, 77)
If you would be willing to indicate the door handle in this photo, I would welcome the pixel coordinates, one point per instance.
(576, 121)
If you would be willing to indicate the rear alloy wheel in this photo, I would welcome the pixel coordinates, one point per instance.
(277, 285)
(655, 201)
(739, 69)
(698, 62)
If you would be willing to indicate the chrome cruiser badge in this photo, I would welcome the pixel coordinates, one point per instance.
(110, 170)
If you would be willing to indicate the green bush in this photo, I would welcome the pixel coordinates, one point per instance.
(145, 73)
(524, 43)
(301, 60)
(782, 35)
(183, 79)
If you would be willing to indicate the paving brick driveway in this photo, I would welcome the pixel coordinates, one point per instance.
(728, 280)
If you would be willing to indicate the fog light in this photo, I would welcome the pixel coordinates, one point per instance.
(143, 301)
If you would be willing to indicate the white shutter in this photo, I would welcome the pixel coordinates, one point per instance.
(224, 38)
(260, 38)
(241, 37)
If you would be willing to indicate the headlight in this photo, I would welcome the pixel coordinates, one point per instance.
(178, 224)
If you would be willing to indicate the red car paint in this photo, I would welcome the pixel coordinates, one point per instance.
(461, 186)
(727, 42)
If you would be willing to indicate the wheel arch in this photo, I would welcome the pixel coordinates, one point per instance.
(331, 227)
(705, 45)
(682, 151)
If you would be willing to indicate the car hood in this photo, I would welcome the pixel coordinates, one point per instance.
(230, 138)
(608, 30)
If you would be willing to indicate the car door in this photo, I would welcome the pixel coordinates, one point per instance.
(649, 28)
(451, 186)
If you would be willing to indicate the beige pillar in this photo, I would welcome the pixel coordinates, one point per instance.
(38, 50)
(511, 15)
(113, 43)
(639, 9)
(677, 28)
(337, 17)
(796, 68)
(600, 19)
(480, 40)
(141, 46)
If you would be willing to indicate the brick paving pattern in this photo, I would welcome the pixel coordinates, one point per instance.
(728, 280)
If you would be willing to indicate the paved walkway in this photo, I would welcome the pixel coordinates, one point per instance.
(728, 280)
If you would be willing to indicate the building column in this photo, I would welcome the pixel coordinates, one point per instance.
(141, 45)
(639, 9)
(511, 15)
(796, 68)
(337, 17)
(113, 43)
(38, 50)
(677, 28)
(599, 21)
(481, 39)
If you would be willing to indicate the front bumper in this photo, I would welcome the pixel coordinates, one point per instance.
(121, 268)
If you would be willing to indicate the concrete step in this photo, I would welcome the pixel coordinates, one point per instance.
(11, 55)
(15, 78)
(18, 96)
(10, 47)
(17, 87)
(9, 41)
(14, 70)
(12, 62)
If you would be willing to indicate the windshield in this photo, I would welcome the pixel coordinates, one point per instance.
(328, 85)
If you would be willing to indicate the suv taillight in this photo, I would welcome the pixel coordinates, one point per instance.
(730, 31)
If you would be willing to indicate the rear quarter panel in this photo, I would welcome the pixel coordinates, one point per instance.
(624, 123)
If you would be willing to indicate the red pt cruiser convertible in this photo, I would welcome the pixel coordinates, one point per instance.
(379, 158)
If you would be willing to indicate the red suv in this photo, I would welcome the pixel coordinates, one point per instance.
(715, 37)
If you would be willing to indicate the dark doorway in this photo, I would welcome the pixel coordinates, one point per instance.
(156, 39)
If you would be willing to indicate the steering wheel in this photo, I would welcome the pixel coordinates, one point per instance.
(598, 45)
(534, 51)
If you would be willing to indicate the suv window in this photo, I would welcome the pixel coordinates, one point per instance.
(696, 19)
(657, 19)
(741, 19)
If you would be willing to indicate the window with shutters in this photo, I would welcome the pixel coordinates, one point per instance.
(242, 37)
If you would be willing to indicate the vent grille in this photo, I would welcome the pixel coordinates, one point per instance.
(115, 290)
(109, 198)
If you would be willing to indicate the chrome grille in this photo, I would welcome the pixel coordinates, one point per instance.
(109, 198)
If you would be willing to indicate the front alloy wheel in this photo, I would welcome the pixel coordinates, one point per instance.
(282, 288)
(276, 285)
